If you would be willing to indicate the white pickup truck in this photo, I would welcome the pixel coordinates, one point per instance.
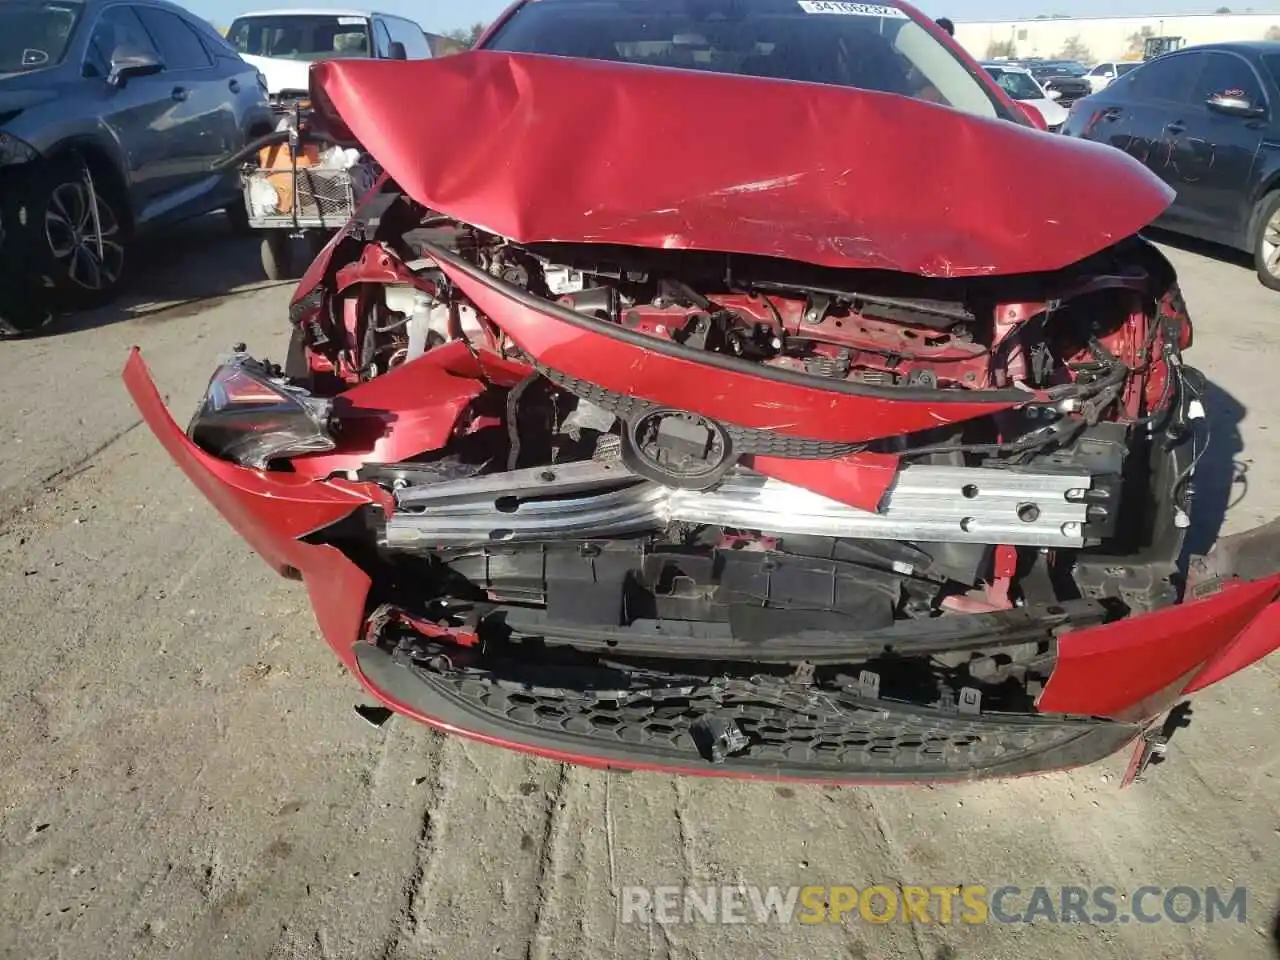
(282, 44)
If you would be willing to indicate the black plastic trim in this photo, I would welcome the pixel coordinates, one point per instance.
(396, 683)
(910, 638)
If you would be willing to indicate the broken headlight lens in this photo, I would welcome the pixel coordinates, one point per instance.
(252, 416)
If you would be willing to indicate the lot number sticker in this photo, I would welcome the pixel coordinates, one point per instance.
(852, 9)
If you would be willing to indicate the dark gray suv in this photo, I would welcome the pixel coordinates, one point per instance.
(113, 116)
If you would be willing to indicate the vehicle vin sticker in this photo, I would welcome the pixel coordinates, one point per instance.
(852, 9)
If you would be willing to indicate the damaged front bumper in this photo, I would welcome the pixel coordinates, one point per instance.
(808, 706)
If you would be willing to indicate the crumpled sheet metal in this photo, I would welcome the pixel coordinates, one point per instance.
(540, 148)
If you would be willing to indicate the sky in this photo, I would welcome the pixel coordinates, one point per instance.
(439, 16)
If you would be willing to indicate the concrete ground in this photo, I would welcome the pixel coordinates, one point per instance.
(182, 773)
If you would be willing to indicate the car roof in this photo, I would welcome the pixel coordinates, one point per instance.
(1007, 67)
(1238, 46)
(167, 4)
(310, 12)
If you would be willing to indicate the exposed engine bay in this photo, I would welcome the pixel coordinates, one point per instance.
(1092, 410)
(1013, 458)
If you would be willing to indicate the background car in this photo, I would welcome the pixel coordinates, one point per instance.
(1202, 119)
(1019, 84)
(284, 43)
(1064, 77)
(1103, 73)
(112, 117)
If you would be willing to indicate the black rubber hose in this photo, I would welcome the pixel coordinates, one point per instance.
(268, 140)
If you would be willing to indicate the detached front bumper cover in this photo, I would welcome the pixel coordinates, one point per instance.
(1110, 682)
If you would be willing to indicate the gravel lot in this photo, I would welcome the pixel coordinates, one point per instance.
(184, 775)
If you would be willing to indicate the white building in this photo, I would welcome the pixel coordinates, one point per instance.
(1099, 39)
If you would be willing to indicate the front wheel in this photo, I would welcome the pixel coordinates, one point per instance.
(78, 233)
(1266, 241)
(277, 255)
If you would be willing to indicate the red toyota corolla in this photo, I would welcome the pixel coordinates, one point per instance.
(712, 386)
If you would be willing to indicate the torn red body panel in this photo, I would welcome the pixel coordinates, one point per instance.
(413, 409)
(741, 394)
(858, 479)
(272, 511)
(1152, 661)
(614, 153)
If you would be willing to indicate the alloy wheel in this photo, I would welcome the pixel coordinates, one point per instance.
(87, 247)
(1271, 245)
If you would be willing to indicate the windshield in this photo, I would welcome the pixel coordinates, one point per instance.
(35, 35)
(1017, 85)
(301, 36)
(863, 45)
(1123, 68)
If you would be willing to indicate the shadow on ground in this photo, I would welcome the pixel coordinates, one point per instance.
(189, 264)
(1221, 479)
(1203, 248)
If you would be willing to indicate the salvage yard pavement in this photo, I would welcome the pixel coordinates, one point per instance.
(184, 774)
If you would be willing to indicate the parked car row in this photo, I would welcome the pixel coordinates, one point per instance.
(1069, 78)
(1020, 84)
(112, 116)
(117, 117)
(1104, 73)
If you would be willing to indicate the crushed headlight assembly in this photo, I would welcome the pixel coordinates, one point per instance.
(14, 151)
(251, 415)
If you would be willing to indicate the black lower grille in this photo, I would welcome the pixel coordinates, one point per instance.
(739, 726)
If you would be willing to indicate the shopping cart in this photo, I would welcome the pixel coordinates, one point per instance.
(300, 183)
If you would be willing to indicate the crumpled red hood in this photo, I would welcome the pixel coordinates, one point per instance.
(540, 148)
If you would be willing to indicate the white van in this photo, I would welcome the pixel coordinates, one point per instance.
(282, 44)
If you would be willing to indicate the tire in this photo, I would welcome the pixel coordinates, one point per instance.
(64, 234)
(317, 240)
(1266, 241)
(277, 255)
(24, 303)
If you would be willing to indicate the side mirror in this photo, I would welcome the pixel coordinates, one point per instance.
(1034, 116)
(126, 65)
(1234, 104)
(397, 51)
(1053, 94)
